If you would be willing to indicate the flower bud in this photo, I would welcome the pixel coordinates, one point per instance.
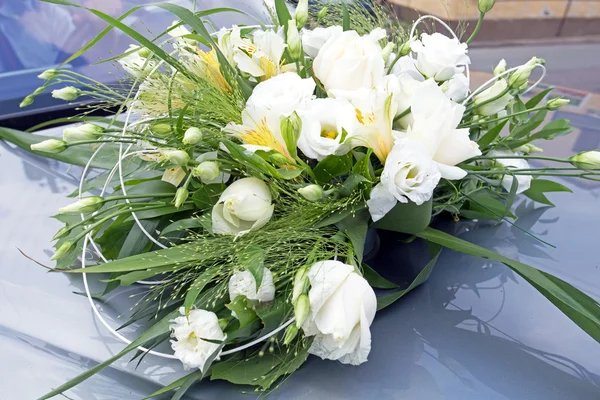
(48, 74)
(387, 51)
(290, 334)
(144, 52)
(586, 160)
(62, 232)
(26, 101)
(68, 93)
(322, 13)
(311, 192)
(529, 149)
(520, 77)
(161, 129)
(64, 248)
(293, 41)
(301, 15)
(82, 132)
(192, 136)
(181, 196)
(279, 159)
(39, 90)
(207, 171)
(177, 157)
(485, 5)
(555, 104)
(50, 146)
(301, 309)
(500, 68)
(223, 322)
(290, 130)
(85, 205)
(301, 283)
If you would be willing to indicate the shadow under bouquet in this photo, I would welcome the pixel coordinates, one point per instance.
(245, 166)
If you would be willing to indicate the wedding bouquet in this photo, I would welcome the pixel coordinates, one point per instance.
(244, 167)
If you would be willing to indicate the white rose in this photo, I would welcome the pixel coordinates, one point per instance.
(407, 65)
(282, 94)
(523, 181)
(403, 97)
(409, 174)
(189, 332)
(457, 88)
(324, 124)
(212, 156)
(494, 107)
(439, 56)
(242, 283)
(313, 40)
(245, 205)
(350, 61)
(342, 308)
(435, 118)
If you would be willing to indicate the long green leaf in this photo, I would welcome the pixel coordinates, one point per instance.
(345, 17)
(158, 329)
(283, 14)
(197, 286)
(387, 299)
(491, 135)
(174, 385)
(80, 155)
(579, 307)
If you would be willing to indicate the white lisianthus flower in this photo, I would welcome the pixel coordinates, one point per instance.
(245, 205)
(271, 101)
(439, 56)
(262, 57)
(435, 118)
(342, 308)
(222, 177)
(242, 283)
(68, 93)
(457, 88)
(134, 63)
(494, 107)
(409, 174)
(523, 181)
(313, 40)
(189, 333)
(326, 125)
(407, 65)
(349, 61)
(407, 86)
(82, 132)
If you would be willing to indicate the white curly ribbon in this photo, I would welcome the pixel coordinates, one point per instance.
(89, 239)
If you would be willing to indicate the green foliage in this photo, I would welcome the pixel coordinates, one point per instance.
(541, 186)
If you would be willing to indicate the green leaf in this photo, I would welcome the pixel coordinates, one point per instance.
(252, 258)
(485, 202)
(79, 155)
(376, 280)
(332, 166)
(245, 314)
(363, 166)
(197, 286)
(206, 196)
(160, 258)
(159, 212)
(273, 314)
(531, 124)
(491, 135)
(541, 186)
(355, 227)
(345, 17)
(579, 307)
(283, 14)
(535, 100)
(114, 236)
(406, 218)
(136, 241)
(182, 225)
(174, 385)
(158, 329)
(337, 216)
(132, 277)
(387, 299)
(351, 183)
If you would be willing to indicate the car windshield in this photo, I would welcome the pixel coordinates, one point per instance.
(35, 36)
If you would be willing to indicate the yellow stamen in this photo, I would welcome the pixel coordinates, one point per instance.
(364, 119)
(268, 67)
(262, 136)
(213, 69)
(329, 134)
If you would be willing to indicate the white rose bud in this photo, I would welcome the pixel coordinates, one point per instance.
(586, 160)
(301, 309)
(293, 41)
(192, 136)
(342, 308)
(500, 68)
(242, 283)
(82, 132)
(300, 283)
(177, 157)
(387, 51)
(520, 77)
(555, 104)
(181, 196)
(301, 14)
(162, 129)
(207, 171)
(492, 107)
(485, 5)
(48, 74)
(290, 334)
(189, 332)
(405, 49)
(85, 205)
(311, 192)
(50, 146)
(244, 206)
(27, 101)
(68, 93)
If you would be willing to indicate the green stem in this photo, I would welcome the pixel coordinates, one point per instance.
(483, 103)
(516, 156)
(503, 118)
(402, 114)
(98, 141)
(104, 211)
(389, 71)
(138, 196)
(477, 27)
